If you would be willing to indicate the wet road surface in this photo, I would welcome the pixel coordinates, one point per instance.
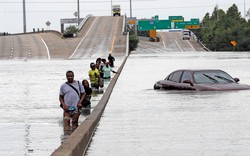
(137, 120)
(141, 121)
(31, 119)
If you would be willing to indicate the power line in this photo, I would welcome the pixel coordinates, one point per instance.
(56, 2)
(138, 9)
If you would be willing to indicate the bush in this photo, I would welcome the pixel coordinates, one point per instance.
(70, 31)
(133, 42)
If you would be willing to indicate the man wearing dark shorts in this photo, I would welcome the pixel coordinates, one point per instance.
(71, 96)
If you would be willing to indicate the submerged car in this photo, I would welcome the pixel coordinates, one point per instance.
(200, 80)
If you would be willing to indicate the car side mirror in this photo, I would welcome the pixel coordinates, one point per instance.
(236, 80)
(189, 81)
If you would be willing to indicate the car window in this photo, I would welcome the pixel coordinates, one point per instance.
(169, 77)
(175, 77)
(212, 77)
(186, 76)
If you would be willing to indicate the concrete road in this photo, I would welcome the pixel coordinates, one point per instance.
(23, 46)
(172, 41)
(97, 38)
(102, 38)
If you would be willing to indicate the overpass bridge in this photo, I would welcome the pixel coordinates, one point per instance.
(97, 37)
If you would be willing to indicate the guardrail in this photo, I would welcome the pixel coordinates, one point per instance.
(83, 21)
(77, 143)
(124, 24)
(196, 39)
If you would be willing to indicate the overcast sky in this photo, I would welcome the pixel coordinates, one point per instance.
(38, 12)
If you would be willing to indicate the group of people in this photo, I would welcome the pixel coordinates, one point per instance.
(75, 95)
(100, 70)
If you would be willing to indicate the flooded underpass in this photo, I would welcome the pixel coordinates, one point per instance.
(139, 120)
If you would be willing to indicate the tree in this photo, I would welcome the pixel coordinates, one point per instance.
(217, 33)
(133, 42)
(72, 29)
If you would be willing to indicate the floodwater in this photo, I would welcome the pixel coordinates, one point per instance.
(137, 120)
(141, 121)
(31, 120)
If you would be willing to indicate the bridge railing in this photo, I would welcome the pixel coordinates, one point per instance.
(83, 21)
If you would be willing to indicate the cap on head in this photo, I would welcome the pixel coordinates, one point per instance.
(92, 65)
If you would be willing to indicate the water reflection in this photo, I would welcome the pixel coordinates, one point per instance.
(32, 121)
(141, 121)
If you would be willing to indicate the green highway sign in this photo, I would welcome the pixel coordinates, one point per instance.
(174, 22)
(175, 18)
(146, 25)
(156, 17)
(195, 19)
(185, 24)
(163, 24)
(153, 24)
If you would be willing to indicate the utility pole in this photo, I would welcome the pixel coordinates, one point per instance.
(130, 8)
(78, 13)
(111, 8)
(24, 17)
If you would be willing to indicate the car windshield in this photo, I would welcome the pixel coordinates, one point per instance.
(212, 77)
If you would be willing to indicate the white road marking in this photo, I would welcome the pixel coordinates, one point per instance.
(47, 49)
(82, 40)
(178, 46)
(190, 45)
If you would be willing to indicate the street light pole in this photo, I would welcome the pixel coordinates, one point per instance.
(24, 17)
(111, 8)
(78, 12)
(130, 9)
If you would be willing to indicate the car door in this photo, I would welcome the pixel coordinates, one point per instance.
(174, 81)
(186, 75)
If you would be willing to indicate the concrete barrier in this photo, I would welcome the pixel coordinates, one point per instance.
(76, 144)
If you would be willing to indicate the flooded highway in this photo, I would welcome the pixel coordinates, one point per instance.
(31, 119)
(139, 120)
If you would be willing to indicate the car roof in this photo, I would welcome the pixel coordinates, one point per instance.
(195, 70)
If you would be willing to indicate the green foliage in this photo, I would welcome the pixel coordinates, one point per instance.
(133, 42)
(218, 30)
(72, 29)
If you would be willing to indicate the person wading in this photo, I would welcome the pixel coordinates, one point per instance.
(71, 96)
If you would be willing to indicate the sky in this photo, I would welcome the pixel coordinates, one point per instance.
(38, 12)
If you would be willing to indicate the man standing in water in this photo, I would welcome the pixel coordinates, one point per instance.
(111, 60)
(71, 96)
(94, 76)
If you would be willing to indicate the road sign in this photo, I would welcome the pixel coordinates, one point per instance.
(131, 21)
(146, 25)
(152, 33)
(163, 24)
(48, 23)
(156, 17)
(195, 19)
(234, 43)
(182, 25)
(153, 24)
(70, 20)
(192, 26)
(175, 18)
